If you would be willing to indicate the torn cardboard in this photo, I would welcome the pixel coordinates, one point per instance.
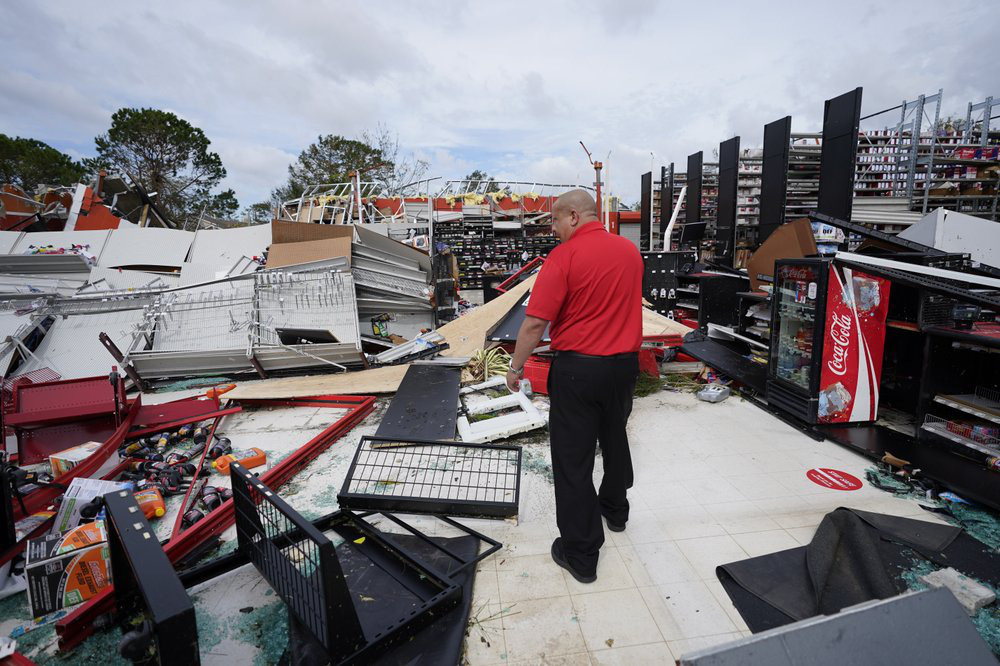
(793, 240)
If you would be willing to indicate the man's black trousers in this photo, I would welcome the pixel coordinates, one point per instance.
(591, 399)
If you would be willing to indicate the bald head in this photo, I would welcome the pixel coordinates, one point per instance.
(571, 211)
(578, 200)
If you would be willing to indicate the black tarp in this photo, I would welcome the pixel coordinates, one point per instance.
(855, 556)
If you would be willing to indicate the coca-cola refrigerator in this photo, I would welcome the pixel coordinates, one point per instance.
(827, 337)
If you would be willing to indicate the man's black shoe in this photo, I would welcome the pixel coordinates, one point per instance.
(560, 559)
(614, 527)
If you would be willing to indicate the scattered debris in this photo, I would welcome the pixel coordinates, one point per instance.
(524, 418)
(972, 595)
(713, 393)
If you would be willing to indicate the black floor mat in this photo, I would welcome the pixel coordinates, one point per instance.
(855, 556)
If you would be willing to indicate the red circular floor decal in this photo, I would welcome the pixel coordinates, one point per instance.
(833, 479)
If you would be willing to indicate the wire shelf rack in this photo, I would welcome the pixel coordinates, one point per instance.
(324, 584)
(983, 438)
(421, 476)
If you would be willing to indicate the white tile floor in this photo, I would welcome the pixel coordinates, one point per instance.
(714, 483)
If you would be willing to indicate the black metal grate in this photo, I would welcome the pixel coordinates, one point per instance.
(420, 476)
(936, 310)
(295, 557)
(330, 589)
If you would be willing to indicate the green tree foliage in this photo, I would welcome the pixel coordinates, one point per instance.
(330, 160)
(377, 156)
(28, 163)
(169, 156)
(259, 213)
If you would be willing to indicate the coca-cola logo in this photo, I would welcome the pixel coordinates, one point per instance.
(840, 335)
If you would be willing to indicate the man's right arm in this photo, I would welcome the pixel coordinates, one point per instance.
(532, 330)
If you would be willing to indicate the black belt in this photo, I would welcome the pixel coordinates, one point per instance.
(573, 354)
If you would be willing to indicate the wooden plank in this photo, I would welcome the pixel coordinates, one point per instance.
(467, 334)
(653, 323)
(363, 382)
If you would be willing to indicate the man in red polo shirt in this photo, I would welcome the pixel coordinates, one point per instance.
(589, 292)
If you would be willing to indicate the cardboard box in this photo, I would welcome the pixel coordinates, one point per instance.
(283, 231)
(287, 254)
(78, 495)
(792, 240)
(300, 242)
(66, 569)
(65, 460)
(51, 545)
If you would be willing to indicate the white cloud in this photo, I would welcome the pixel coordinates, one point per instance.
(508, 88)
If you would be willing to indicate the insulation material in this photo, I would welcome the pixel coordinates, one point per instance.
(7, 240)
(192, 274)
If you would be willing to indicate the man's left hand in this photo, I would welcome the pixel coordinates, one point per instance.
(513, 381)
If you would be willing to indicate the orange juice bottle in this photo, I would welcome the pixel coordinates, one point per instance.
(249, 458)
(151, 502)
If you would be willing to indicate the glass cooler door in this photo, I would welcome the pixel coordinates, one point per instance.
(798, 288)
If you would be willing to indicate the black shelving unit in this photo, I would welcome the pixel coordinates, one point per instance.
(155, 613)
(718, 299)
(958, 409)
(660, 278)
(755, 328)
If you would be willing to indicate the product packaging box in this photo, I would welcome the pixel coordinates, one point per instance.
(64, 461)
(63, 570)
(79, 494)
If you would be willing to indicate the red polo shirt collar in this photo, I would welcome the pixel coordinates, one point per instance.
(587, 228)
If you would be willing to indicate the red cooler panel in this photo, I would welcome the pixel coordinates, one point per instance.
(853, 339)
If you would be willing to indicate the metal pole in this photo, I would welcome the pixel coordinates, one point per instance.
(930, 159)
(597, 184)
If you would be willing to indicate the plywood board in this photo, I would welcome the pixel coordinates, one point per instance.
(467, 334)
(792, 240)
(363, 382)
(654, 323)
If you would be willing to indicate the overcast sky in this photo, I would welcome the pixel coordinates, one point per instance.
(509, 87)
